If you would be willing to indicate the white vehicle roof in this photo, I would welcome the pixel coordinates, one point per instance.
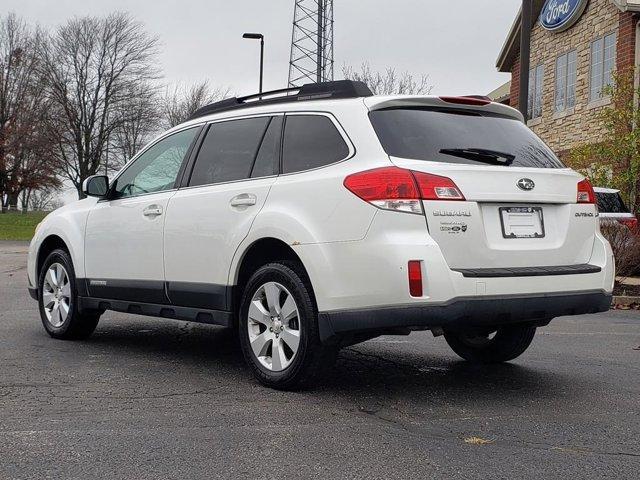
(372, 103)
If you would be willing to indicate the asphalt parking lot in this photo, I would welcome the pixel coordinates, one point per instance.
(149, 398)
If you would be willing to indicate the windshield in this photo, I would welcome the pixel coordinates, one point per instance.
(460, 136)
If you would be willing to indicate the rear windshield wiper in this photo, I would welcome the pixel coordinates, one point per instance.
(481, 155)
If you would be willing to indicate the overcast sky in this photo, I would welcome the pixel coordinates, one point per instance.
(455, 42)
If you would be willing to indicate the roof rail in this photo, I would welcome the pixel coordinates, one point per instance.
(310, 91)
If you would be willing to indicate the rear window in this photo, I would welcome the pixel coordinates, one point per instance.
(611, 202)
(460, 136)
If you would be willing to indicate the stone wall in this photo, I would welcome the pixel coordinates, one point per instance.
(567, 130)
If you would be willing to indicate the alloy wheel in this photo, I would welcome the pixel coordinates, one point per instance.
(56, 294)
(274, 326)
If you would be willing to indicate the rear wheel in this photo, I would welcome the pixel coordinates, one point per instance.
(58, 300)
(491, 346)
(278, 328)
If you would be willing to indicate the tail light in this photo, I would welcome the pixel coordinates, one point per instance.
(434, 187)
(585, 192)
(415, 278)
(397, 189)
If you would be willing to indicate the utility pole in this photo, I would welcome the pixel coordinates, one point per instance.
(525, 57)
(320, 42)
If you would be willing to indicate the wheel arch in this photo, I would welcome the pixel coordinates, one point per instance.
(49, 244)
(261, 252)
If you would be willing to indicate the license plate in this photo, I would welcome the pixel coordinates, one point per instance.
(522, 222)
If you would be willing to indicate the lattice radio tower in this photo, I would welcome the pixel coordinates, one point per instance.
(311, 42)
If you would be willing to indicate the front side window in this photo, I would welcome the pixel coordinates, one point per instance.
(229, 151)
(536, 79)
(566, 68)
(311, 141)
(156, 169)
(603, 54)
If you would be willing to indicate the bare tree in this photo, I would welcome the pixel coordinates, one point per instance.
(389, 82)
(21, 105)
(139, 120)
(182, 101)
(93, 66)
(32, 165)
(44, 199)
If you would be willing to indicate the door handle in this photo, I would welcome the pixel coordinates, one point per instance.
(243, 200)
(152, 211)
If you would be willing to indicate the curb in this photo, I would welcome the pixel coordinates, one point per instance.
(625, 301)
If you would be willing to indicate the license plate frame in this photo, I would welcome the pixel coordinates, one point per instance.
(507, 228)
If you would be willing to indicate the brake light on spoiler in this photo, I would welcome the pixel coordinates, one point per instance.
(401, 190)
(476, 100)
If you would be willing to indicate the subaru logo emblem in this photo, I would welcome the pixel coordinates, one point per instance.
(526, 184)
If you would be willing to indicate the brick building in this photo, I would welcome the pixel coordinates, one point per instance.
(576, 45)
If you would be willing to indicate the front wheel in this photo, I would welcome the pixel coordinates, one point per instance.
(491, 346)
(58, 300)
(278, 327)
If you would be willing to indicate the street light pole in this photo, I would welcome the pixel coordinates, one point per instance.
(525, 57)
(261, 62)
(258, 36)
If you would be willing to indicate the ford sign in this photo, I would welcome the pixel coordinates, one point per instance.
(558, 15)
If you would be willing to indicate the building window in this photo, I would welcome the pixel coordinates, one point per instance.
(603, 55)
(566, 68)
(536, 77)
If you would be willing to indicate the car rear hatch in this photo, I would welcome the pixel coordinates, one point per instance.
(520, 205)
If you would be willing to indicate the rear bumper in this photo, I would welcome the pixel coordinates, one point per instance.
(461, 313)
(372, 273)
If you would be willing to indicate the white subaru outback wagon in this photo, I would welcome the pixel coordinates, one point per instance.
(321, 218)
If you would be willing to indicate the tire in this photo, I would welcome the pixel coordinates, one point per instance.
(506, 344)
(58, 300)
(278, 311)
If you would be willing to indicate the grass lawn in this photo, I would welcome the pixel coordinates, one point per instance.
(19, 226)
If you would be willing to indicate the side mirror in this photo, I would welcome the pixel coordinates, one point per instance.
(96, 186)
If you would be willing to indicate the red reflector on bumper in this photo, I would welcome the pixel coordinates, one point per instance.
(415, 278)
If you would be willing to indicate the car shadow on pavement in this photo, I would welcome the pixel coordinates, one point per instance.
(441, 378)
(361, 370)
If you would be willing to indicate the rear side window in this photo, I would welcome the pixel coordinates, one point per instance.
(311, 141)
(460, 136)
(611, 202)
(228, 151)
(268, 159)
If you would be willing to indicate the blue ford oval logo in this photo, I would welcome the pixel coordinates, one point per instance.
(558, 15)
